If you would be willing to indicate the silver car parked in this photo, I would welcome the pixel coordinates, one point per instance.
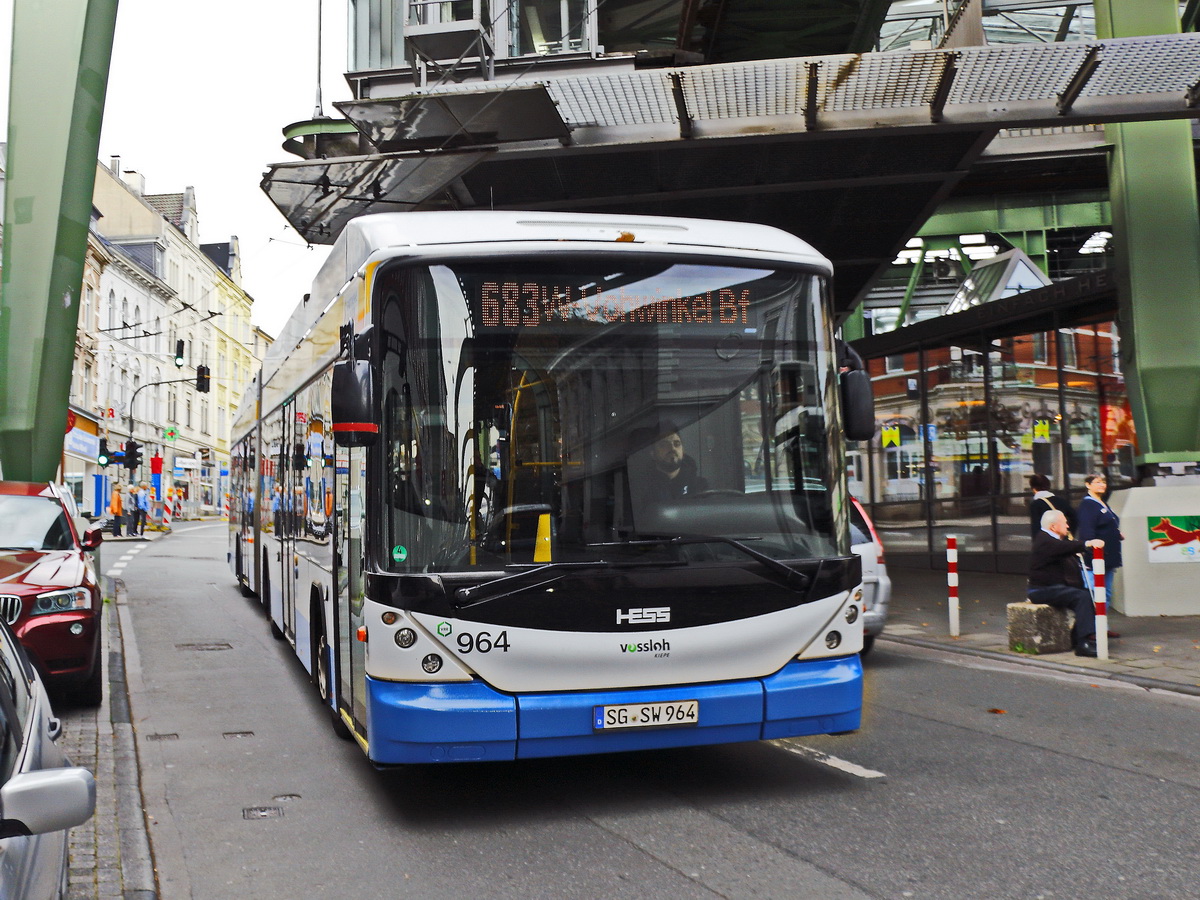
(877, 586)
(40, 797)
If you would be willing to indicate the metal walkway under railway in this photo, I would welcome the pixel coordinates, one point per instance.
(852, 151)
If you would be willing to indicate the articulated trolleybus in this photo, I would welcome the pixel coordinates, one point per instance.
(533, 484)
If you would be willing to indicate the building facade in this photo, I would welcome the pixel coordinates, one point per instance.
(157, 307)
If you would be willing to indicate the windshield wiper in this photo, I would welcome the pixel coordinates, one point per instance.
(527, 578)
(783, 574)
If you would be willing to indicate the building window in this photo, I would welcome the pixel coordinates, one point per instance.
(894, 363)
(1066, 344)
(1039, 347)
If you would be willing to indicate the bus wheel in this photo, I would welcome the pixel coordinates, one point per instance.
(243, 582)
(264, 599)
(325, 687)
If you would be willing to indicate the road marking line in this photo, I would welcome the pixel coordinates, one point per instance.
(833, 762)
(127, 558)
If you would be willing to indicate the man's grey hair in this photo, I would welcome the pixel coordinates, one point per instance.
(1050, 516)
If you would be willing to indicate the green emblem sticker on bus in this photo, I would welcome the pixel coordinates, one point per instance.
(399, 554)
(443, 629)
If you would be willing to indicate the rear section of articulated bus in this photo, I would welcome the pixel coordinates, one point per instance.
(608, 509)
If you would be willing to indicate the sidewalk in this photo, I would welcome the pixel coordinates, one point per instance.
(1160, 652)
(110, 855)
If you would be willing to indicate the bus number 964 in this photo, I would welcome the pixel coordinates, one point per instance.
(482, 642)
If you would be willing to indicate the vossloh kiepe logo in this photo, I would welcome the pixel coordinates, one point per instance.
(653, 615)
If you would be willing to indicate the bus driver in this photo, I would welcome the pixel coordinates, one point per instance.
(674, 474)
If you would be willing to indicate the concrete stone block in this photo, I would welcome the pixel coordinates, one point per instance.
(1037, 628)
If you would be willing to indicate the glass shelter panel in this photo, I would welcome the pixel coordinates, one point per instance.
(962, 429)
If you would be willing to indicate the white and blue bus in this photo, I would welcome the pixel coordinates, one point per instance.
(534, 484)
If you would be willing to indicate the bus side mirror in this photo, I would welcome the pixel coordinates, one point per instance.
(858, 406)
(355, 423)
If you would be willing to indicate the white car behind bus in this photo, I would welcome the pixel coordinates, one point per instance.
(877, 586)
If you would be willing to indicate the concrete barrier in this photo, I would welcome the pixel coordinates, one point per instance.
(1037, 628)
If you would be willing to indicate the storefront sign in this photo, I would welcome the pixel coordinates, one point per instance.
(81, 443)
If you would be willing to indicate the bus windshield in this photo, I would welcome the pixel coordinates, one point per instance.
(592, 409)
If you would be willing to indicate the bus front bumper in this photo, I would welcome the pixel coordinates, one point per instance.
(470, 721)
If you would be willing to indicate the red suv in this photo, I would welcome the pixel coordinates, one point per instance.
(49, 593)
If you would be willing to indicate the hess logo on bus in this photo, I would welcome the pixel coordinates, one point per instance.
(651, 615)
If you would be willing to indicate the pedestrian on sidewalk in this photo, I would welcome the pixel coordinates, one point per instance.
(1097, 520)
(143, 507)
(1056, 578)
(134, 496)
(116, 508)
(1044, 500)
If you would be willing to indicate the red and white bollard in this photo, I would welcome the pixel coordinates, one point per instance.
(952, 581)
(166, 514)
(227, 506)
(1100, 599)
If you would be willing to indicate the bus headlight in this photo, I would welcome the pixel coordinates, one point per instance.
(851, 615)
(833, 640)
(431, 663)
(405, 638)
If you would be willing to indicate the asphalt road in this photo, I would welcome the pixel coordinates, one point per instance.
(969, 779)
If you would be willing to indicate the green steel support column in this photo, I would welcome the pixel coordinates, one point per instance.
(854, 327)
(913, 280)
(1157, 225)
(60, 59)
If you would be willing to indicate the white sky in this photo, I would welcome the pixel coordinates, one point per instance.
(198, 93)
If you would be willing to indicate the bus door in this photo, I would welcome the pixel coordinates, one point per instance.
(289, 475)
(349, 570)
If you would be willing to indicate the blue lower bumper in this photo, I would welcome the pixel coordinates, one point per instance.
(469, 721)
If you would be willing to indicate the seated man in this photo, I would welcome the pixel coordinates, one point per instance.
(1056, 578)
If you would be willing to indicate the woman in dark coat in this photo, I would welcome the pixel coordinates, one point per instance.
(1096, 519)
(1043, 500)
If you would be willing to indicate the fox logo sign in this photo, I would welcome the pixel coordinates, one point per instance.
(647, 616)
(1167, 534)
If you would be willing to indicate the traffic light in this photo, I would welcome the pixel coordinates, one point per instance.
(133, 455)
(103, 457)
(202, 379)
(179, 354)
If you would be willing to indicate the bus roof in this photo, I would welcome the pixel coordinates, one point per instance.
(366, 235)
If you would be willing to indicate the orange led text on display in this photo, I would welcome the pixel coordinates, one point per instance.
(529, 304)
